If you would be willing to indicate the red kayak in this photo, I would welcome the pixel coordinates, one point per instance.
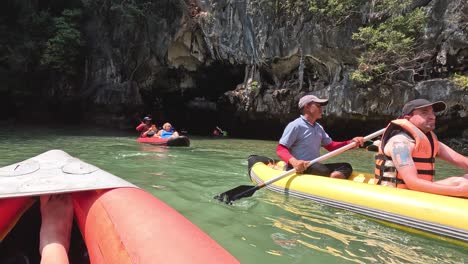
(180, 141)
(121, 225)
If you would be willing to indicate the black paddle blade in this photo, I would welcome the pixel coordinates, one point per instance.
(236, 193)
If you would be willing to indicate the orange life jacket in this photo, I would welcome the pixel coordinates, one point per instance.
(424, 152)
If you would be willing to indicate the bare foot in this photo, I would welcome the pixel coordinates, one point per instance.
(57, 220)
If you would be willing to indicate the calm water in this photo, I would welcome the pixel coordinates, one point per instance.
(266, 228)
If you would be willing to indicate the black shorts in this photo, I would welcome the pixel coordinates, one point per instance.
(326, 169)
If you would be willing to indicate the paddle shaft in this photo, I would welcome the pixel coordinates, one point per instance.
(247, 191)
(319, 159)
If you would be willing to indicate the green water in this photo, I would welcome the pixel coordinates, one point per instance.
(266, 228)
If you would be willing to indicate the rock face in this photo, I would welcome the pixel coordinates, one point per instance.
(288, 60)
(243, 65)
(129, 46)
(288, 57)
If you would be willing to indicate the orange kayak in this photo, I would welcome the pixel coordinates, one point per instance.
(116, 225)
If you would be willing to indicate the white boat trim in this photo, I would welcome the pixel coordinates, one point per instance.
(53, 172)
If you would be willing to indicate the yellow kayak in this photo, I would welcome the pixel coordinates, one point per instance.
(436, 214)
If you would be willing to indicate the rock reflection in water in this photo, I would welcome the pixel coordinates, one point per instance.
(347, 235)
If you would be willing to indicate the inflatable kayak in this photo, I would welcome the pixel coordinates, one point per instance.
(441, 215)
(180, 141)
(115, 221)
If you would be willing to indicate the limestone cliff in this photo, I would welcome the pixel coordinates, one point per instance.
(286, 57)
(243, 65)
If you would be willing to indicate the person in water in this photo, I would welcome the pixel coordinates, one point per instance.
(147, 129)
(303, 137)
(408, 150)
(167, 131)
(56, 224)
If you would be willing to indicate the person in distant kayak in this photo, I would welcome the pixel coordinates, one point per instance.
(56, 224)
(219, 132)
(167, 131)
(303, 137)
(408, 150)
(147, 129)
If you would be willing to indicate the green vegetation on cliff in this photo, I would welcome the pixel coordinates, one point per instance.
(38, 40)
(63, 48)
(390, 47)
(390, 38)
(335, 11)
(338, 10)
(460, 80)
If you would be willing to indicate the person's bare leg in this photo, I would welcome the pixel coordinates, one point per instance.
(337, 175)
(57, 220)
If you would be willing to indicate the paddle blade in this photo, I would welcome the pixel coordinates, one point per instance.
(236, 193)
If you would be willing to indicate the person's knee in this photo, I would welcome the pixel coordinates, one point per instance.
(337, 175)
(346, 170)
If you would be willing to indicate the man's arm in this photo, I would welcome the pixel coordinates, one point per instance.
(285, 155)
(140, 127)
(400, 148)
(451, 156)
(334, 145)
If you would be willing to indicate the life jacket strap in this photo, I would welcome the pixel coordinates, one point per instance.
(393, 180)
(427, 172)
(385, 169)
(426, 160)
(381, 168)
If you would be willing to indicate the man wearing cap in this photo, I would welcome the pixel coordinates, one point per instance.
(303, 137)
(146, 129)
(408, 149)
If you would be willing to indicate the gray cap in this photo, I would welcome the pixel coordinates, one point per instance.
(420, 103)
(311, 98)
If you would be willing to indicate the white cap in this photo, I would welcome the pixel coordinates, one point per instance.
(311, 98)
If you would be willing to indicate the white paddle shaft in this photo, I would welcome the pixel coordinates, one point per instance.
(324, 157)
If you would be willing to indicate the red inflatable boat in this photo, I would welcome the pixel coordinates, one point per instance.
(117, 225)
(180, 141)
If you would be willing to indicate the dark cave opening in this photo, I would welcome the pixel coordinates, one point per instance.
(218, 78)
(177, 106)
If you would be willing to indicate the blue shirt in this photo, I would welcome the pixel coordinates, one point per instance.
(304, 139)
(166, 134)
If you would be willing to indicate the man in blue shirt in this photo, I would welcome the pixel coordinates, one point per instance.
(303, 137)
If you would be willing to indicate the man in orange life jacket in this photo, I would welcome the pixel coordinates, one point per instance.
(408, 149)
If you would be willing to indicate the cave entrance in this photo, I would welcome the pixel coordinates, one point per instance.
(196, 109)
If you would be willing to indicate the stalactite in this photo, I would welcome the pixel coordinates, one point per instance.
(231, 15)
(252, 72)
(246, 75)
(301, 69)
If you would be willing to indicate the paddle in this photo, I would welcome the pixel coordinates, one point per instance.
(247, 190)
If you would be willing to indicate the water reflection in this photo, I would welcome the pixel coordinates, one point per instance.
(266, 228)
(153, 148)
(349, 236)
